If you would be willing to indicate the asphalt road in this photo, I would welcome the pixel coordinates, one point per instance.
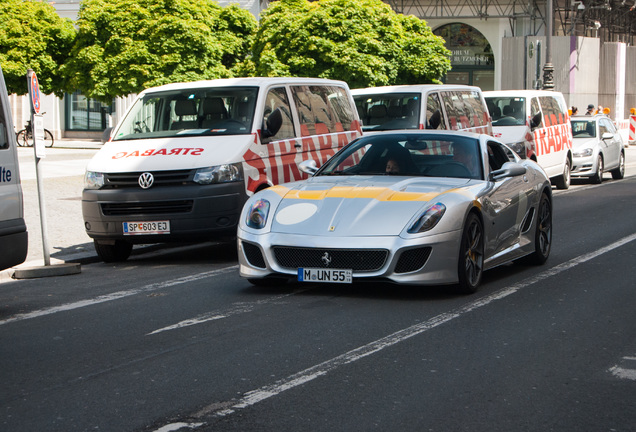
(176, 340)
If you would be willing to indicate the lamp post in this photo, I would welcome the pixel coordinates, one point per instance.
(548, 68)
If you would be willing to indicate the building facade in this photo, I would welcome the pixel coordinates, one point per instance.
(496, 45)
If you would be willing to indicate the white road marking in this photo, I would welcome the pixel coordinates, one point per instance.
(118, 295)
(239, 308)
(623, 373)
(253, 397)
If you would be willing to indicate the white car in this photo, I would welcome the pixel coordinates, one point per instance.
(597, 148)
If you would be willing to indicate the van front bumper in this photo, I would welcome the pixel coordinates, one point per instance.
(195, 212)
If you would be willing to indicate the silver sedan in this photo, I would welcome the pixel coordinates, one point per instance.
(597, 147)
(416, 207)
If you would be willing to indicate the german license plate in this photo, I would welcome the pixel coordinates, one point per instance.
(154, 227)
(324, 275)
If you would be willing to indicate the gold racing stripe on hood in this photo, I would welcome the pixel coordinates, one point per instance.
(369, 192)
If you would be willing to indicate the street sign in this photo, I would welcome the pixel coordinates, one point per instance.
(34, 90)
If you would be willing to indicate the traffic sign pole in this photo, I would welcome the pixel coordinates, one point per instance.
(34, 92)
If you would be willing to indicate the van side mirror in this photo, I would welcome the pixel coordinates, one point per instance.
(509, 169)
(536, 121)
(272, 124)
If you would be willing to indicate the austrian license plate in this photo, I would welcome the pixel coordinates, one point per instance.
(324, 275)
(154, 227)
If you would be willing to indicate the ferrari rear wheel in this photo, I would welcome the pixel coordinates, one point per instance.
(543, 233)
(471, 255)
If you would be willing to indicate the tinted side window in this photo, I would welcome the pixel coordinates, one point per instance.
(277, 100)
(452, 113)
(475, 109)
(322, 109)
(434, 115)
(4, 138)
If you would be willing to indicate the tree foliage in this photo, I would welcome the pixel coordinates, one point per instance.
(124, 46)
(33, 35)
(363, 42)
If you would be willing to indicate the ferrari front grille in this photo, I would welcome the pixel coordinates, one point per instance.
(253, 255)
(412, 259)
(359, 260)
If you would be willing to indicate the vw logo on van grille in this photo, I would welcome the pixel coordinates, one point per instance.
(146, 180)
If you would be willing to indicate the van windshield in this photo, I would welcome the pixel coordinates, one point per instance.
(190, 112)
(389, 111)
(507, 110)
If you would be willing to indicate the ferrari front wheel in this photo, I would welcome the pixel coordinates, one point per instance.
(470, 266)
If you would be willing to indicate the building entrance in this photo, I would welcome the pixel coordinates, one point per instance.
(472, 60)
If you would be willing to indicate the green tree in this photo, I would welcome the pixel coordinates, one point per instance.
(363, 42)
(125, 46)
(32, 35)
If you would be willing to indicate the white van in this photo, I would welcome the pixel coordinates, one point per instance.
(426, 106)
(536, 124)
(185, 157)
(13, 232)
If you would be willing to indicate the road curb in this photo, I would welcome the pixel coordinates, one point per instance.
(47, 271)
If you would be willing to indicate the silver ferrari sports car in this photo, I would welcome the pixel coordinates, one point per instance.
(410, 207)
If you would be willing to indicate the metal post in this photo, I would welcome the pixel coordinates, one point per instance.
(548, 68)
(39, 177)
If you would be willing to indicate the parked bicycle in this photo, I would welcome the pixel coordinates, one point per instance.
(25, 136)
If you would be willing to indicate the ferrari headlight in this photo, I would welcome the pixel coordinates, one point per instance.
(93, 180)
(429, 219)
(219, 174)
(583, 152)
(257, 215)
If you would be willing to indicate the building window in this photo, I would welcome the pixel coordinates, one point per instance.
(472, 60)
(84, 114)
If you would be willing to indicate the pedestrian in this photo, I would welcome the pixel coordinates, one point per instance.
(600, 110)
(590, 110)
(575, 110)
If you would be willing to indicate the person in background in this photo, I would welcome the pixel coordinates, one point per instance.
(600, 110)
(575, 111)
(590, 110)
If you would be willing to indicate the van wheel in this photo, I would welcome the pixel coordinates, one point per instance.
(619, 172)
(563, 181)
(120, 251)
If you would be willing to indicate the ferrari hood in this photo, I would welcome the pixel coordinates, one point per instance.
(355, 206)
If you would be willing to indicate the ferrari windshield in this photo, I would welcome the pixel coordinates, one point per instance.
(428, 155)
(188, 112)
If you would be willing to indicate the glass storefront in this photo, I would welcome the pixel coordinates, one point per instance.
(472, 60)
(84, 114)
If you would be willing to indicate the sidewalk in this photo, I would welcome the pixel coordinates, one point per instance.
(63, 175)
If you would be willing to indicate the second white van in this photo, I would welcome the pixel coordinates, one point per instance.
(185, 157)
(536, 125)
(426, 106)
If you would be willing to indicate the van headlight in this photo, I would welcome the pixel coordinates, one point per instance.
(93, 180)
(219, 174)
(257, 215)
